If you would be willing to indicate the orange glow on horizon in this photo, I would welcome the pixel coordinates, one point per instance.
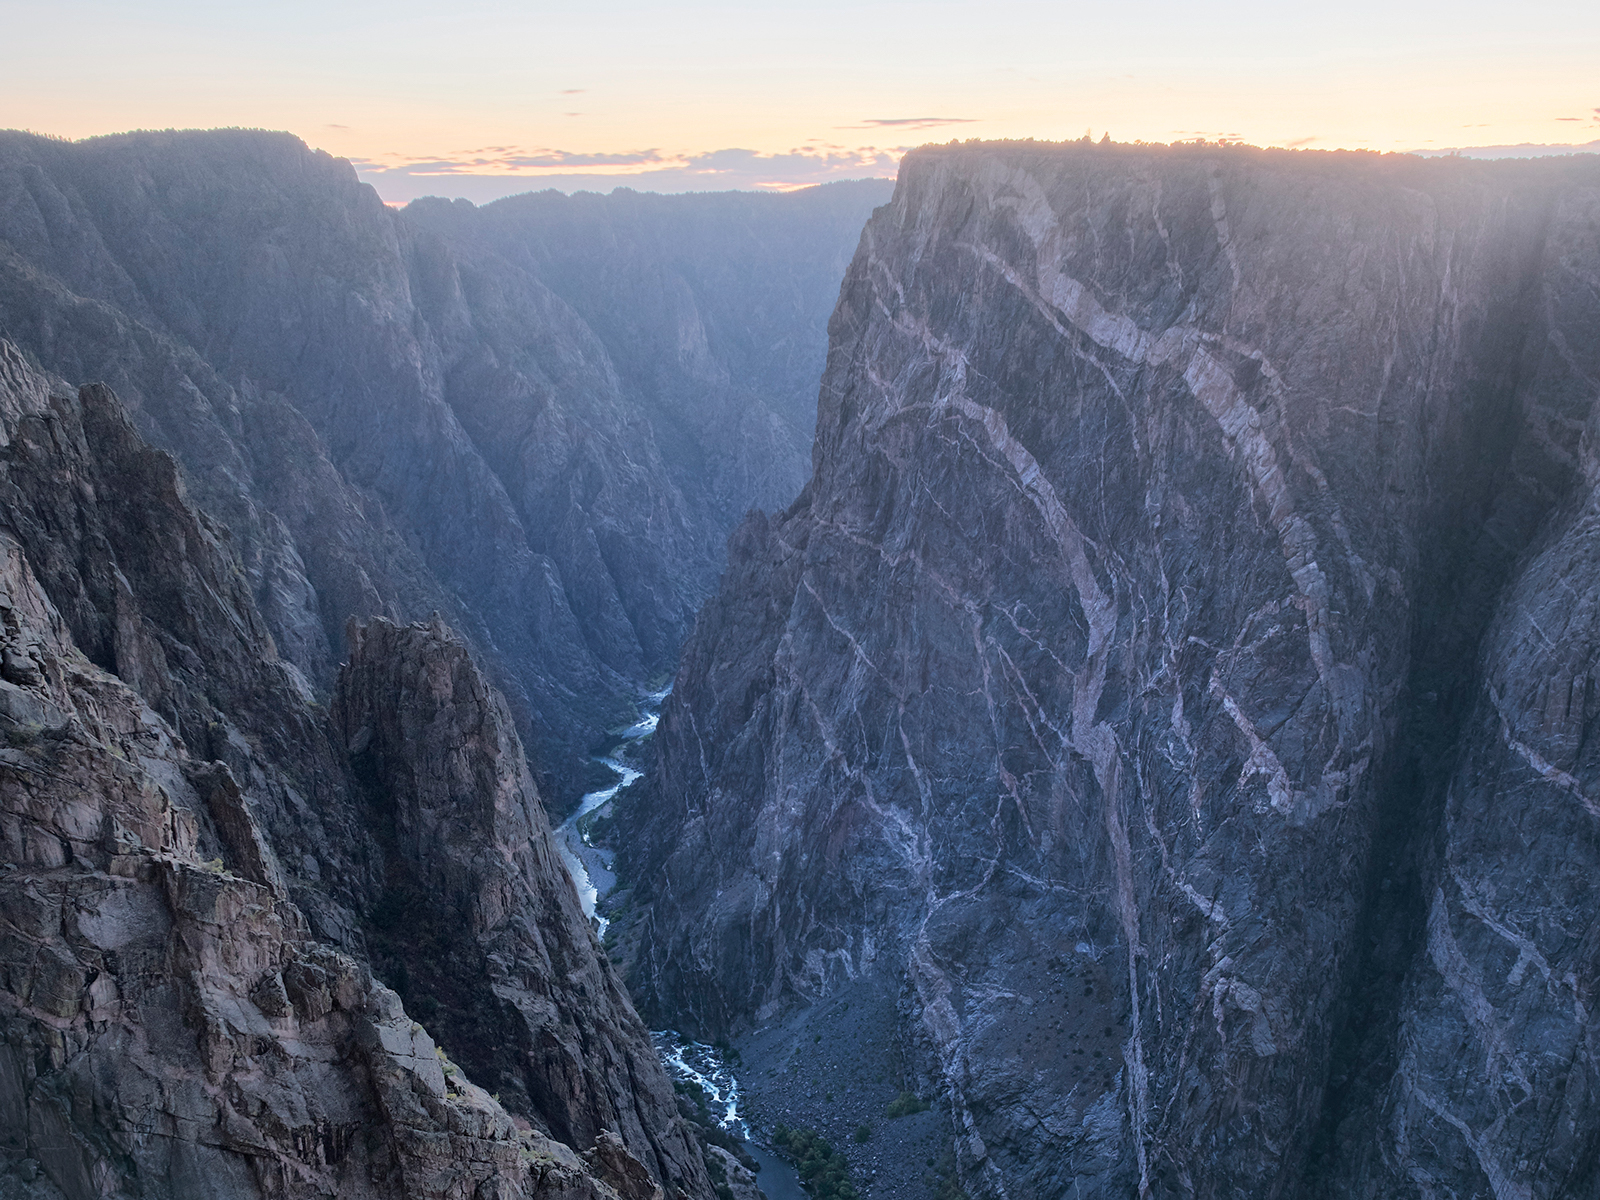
(671, 94)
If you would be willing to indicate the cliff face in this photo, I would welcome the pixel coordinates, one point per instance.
(477, 913)
(1156, 678)
(188, 877)
(394, 413)
(702, 327)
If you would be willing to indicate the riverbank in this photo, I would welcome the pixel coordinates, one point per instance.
(581, 842)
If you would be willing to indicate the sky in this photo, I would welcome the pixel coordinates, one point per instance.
(484, 98)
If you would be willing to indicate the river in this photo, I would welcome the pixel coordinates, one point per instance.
(590, 868)
(700, 1064)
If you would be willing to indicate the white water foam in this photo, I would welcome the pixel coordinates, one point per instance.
(700, 1064)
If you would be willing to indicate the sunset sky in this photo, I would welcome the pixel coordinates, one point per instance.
(479, 99)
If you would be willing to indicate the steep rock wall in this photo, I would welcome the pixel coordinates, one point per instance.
(1118, 680)
(477, 912)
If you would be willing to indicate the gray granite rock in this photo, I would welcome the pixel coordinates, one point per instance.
(478, 915)
(1175, 678)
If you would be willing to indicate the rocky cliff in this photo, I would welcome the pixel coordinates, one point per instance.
(478, 916)
(196, 877)
(1176, 678)
(534, 418)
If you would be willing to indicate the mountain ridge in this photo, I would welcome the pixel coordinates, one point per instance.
(382, 442)
(195, 883)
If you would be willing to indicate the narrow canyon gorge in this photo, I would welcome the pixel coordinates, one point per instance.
(1124, 734)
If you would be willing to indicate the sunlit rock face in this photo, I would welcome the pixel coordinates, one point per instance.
(200, 865)
(1178, 672)
(540, 418)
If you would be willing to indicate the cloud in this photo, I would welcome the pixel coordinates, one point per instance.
(909, 122)
(490, 172)
(512, 160)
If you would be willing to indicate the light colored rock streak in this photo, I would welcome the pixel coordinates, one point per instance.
(1060, 297)
(1095, 740)
(1504, 1188)
(1462, 978)
(1542, 766)
(1068, 303)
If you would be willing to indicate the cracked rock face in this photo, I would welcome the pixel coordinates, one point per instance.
(188, 881)
(480, 917)
(1156, 678)
(540, 418)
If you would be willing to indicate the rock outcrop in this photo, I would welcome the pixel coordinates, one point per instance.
(533, 418)
(477, 913)
(188, 879)
(1178, 674)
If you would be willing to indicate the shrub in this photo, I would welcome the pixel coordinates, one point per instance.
(906, 1104)
(942, 1181)
(823, 1170)
(862, 1134)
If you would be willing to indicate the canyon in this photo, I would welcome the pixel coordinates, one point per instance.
(203, 865)
(539, 418)
(281, 912)
(1132, 720)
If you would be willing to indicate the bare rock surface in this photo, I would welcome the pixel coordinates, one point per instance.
(480, 917)
(188, 882)
(1174, 681)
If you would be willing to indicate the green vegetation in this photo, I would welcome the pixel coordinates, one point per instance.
(862, 1134)
(906, 1104)
(597, 827)
(823, 1170)
(23, 733)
